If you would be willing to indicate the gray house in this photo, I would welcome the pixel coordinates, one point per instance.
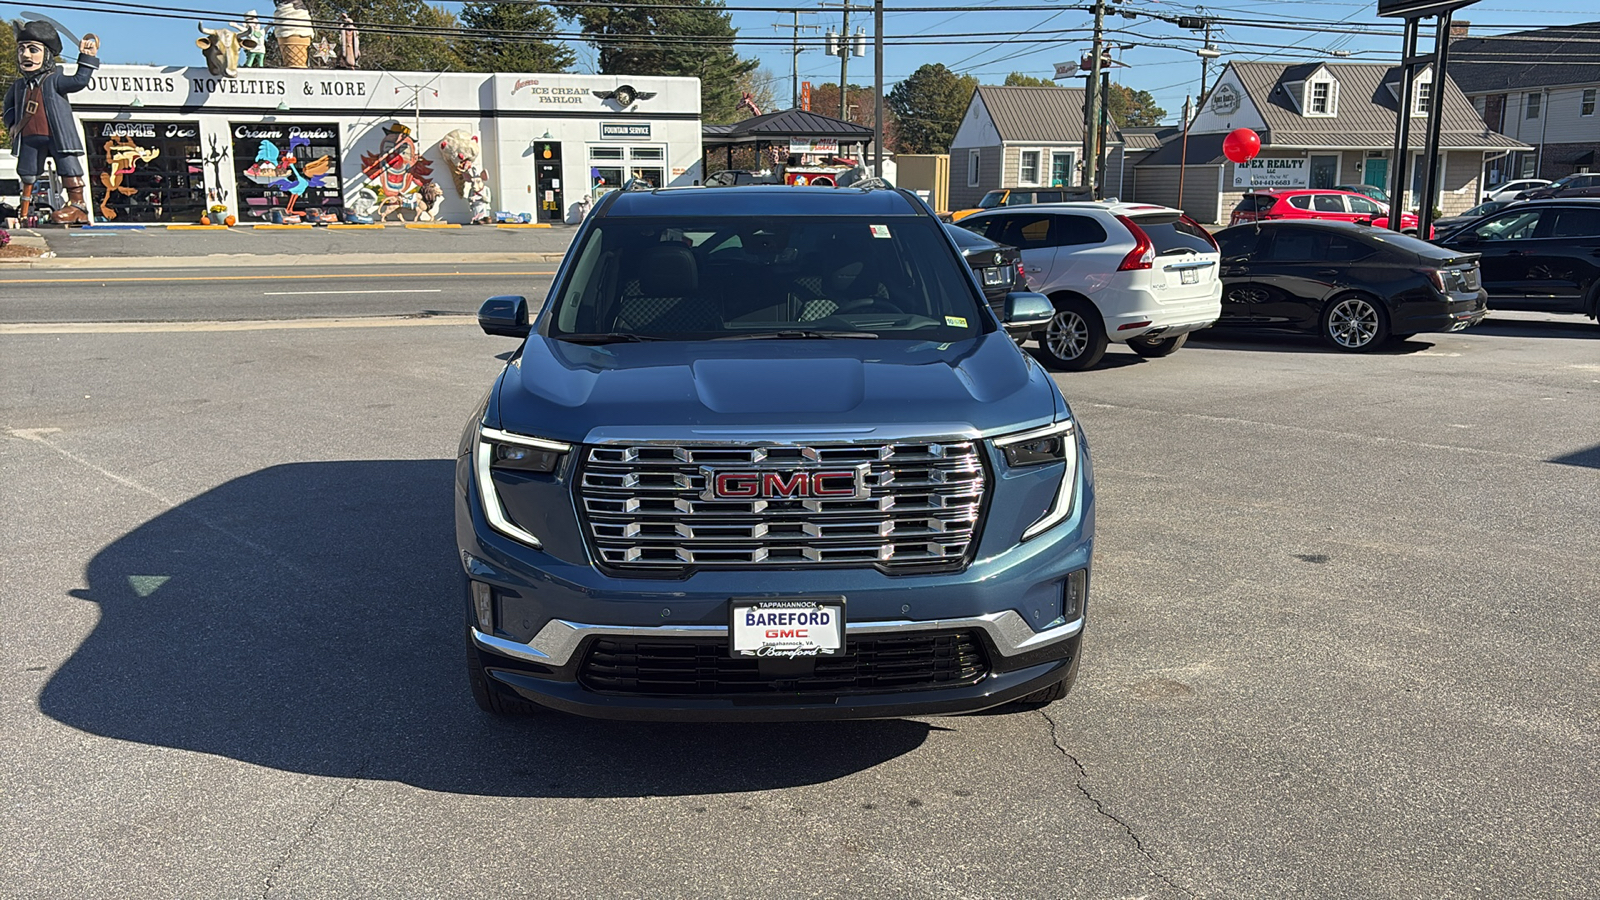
(1024, 137)
(1321, 125)
(1553, 105)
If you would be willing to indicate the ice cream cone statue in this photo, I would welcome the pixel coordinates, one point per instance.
(292, 25)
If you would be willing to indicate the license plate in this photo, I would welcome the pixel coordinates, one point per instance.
(787, 629)
(996, 275)
(1189, 276)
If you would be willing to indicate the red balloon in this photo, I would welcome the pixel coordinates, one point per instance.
(1241, 145)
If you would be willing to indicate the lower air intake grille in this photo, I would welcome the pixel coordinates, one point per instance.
(870, 664)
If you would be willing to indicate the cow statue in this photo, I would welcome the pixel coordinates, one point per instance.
(221, 47)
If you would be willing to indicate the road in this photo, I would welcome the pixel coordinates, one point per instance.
(1340, 643)
(310, 290)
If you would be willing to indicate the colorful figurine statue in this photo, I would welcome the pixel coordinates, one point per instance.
(400, 176)
(252, 40)
(349, 44)
(292, 26)
(39, 116)
(291, 178)
(461, 150)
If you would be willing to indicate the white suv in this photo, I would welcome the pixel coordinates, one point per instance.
(1127, 272)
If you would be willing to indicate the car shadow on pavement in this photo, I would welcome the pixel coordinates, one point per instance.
(307, 618)
(1573, 326)
(1276, 342)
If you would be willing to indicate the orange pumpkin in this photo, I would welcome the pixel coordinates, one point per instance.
(204, 221)
(231, 221)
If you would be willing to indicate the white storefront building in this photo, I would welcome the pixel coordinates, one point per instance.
(174, 143)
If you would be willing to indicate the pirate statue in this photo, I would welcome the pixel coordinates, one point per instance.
(39, 116)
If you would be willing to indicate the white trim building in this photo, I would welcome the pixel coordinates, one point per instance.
(545, 139)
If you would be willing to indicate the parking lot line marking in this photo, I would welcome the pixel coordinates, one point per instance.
(265, 277)
(323, 293)
(243, 325)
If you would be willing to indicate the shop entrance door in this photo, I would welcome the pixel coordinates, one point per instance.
(547, 182)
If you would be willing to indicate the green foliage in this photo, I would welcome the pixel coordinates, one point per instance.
(1131, 107)
(929, 106)
(710, 57)
(396, 51)
(1017, 79)
(488, 55)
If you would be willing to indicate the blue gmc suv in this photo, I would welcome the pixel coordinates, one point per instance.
(766, 453)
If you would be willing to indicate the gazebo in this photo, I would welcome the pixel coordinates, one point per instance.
(788, 135)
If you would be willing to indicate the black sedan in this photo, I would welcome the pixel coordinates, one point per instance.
(1542, 255)
(998, 266)
(1353, 285)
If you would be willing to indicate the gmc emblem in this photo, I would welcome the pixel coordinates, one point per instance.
(803, 484)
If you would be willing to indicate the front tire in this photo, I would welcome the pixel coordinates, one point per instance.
(488, 694)
(1157, 348)
(1354, 323)
(1075, 339)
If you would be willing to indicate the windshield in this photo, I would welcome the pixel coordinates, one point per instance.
(656, 279)
(992, 199)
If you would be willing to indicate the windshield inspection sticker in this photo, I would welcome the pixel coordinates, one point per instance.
(880, 231)
(955, 321)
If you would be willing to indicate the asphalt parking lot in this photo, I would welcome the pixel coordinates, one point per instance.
(1341, 644)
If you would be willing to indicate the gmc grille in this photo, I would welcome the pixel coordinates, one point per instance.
(644, 507)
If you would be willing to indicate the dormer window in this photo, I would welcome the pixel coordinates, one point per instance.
(1321, 96)
(1424, 97)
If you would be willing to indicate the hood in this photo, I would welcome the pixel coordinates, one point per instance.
(579, 393)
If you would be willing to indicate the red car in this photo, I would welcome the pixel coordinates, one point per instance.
(1340, 206)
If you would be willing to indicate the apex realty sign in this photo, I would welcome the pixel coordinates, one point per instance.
(1270, 172)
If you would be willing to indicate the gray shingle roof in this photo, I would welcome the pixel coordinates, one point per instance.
(1149, 137)
(1048, 115)
(1542, 57)
(1366, 110)
(787, 123)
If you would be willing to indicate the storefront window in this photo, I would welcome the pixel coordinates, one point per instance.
(145, 171)
(610, 167)
(278, 162)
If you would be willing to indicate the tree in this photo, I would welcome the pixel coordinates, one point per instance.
(759, 85)
(1130, 107)
(1017, 79)
(623, 37)
(929, 105)
(532, 52)
(430, 48)
(825, 100)
(8, 70)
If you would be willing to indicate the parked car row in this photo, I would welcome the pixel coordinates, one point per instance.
(1330, 205)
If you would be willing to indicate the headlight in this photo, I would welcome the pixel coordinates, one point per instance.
(1056, 443)
(511, 452)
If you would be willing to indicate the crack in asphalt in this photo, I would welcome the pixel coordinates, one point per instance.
(1083, 775)
(355, 781)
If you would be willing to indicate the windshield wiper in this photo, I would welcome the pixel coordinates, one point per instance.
(796, 334)
(615, 337)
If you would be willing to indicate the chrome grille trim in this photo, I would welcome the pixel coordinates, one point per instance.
(647, 505)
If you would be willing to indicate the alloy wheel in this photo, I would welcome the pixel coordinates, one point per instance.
(1353, 323)
(1067, 335)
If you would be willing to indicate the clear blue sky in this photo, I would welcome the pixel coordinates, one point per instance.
(984, 42)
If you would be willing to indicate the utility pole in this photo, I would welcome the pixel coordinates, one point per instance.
(877, 81)
(1205, 61)
(794, 62)
(844, 64)
(1092, 101)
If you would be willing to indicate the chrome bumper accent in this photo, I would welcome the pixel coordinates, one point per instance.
(558, 640)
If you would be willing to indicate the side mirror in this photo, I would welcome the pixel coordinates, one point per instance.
(505, 316)
(1026, 311)
(1465, 237)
